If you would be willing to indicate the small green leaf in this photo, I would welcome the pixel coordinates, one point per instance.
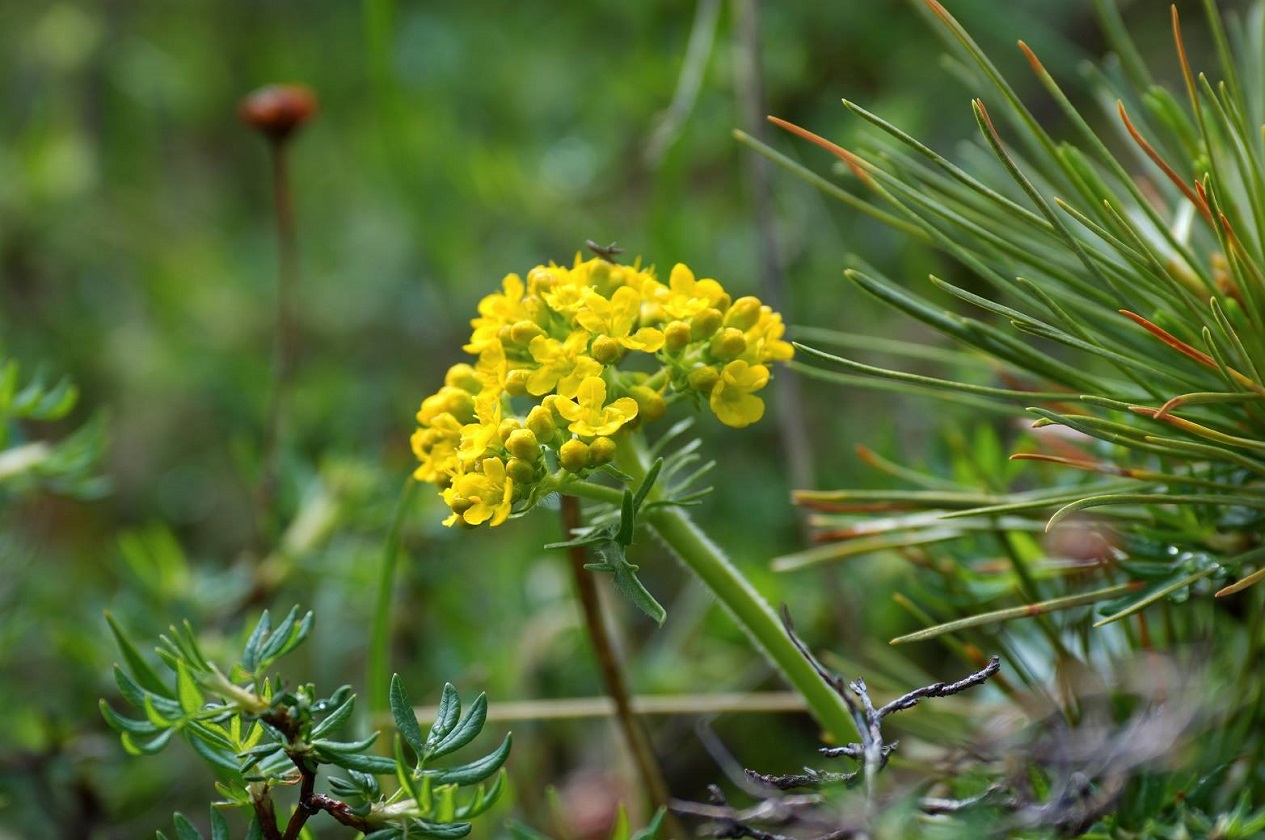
(211, 734)
(405, 719)
(188, 690)
(652, 828)
(219, 826)
(335, 719)
(250, 654)
(216, 758)
(254, 831)
(125, 724)
(442, 831)
(157, 719)
(484, 798)
(475, 771)
(446, 716)
(647, 483)
(185, 829)
(627, 519)
(285, 638)
(620, 831)
(340, 747)
(388, 833)
(136, 747)
(375, 764)
(464, 732)
(145, 676)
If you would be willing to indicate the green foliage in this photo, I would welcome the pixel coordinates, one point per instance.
(258, 734)
(1109, 289)
(68, 466)
(1161, 408)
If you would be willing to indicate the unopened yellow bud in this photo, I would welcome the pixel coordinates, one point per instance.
(524, 331)
(540, 422)
(516, 382)
(520, 471)
(460, 506)
(650, 403)
(463, 376)
(703, 379)
(744, 313)
(458, 403)
(605, 349)
(705, 323)
(508, 426)
(729, 344)
(676, 336)
(522, 443)
(573, 455)
(601, 451)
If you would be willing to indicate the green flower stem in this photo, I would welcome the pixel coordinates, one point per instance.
(705, 559)
(380, 634)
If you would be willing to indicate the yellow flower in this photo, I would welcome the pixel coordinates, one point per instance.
(764, 340)
(617, 317)
(685, 297)
(562, 364)
(732, 398)
(436, 447)
(495, 311)
(478, 497)
(561, 289)
(588, 414)
(491, 369)
(477, 436)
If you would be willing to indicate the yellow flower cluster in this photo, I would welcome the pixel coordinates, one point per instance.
(547, 387)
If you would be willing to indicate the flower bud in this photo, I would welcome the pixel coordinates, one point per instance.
(650, 403)
(705, 323)
(676, 336)
(463, 376)
(703, 379)
(605, 349)
(573, 455)
(520, 472)
(524, 331)
(729, 344)
(744, 313)
(508, 426)
(522, 444)
(277, 110)
(516, 382)
(601, 451)
(540, 422)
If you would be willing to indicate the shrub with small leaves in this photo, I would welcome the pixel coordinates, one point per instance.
(68, 466)
(261, 734)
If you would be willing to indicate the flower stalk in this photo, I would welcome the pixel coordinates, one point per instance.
(685, 539)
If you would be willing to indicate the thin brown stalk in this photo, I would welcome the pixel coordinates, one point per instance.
(635, 736)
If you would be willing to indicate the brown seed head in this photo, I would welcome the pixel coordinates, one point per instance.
(277, 110)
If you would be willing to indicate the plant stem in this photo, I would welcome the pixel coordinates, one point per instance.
(705, 559)
(635, 735)
(380, 632)
(284, 336)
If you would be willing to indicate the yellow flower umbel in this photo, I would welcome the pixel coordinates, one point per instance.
(545, 400)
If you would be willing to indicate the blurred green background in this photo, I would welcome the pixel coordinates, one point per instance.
(456, 142)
